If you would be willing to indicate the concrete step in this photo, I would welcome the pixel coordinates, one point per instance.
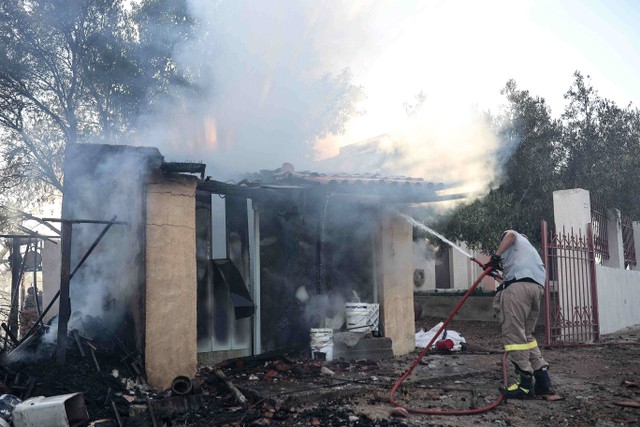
(368, 348)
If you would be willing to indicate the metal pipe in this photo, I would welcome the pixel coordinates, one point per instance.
(547, 291)
(594, 287)
(35, 218)
(181, 386)
(27, 236)
(85, 221)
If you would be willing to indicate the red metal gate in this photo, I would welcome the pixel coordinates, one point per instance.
(571, 303)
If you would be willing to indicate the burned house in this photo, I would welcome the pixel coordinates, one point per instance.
(196, 270)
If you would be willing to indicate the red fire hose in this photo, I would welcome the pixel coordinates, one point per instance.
(426, 349)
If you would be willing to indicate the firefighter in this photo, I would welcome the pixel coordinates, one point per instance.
(517, 305)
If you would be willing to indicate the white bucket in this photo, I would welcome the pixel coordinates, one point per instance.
(321, 342)
(362, 317)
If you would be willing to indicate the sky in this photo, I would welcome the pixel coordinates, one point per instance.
(461, 53)
(257, 62)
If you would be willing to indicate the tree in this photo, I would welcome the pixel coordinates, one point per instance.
(593, 145)
(77, 72)
(529, 151)
(600, 147)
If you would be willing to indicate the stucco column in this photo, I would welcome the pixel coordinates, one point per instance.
(614, 237)
(171, 282)
(396, 283)
(572, 210)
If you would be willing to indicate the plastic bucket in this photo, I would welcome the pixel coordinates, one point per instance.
(362, 317)
(357, 315)
(321, 342)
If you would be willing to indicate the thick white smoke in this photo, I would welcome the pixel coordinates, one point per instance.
(258, 68)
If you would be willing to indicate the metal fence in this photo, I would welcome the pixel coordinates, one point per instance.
(571, 303)
(628, 242)
(599, 223)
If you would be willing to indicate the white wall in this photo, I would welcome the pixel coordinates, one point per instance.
(460, 269)
(424, 258)
(618, 298)
(465, 272)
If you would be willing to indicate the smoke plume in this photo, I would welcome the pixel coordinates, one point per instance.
(269, 77)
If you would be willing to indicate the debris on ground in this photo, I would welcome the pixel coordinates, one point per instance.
(595, 386)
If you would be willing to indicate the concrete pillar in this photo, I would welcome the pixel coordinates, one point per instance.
(171, 281)
(636, 242)
(572, 210)
(396, 283)
(614, 237)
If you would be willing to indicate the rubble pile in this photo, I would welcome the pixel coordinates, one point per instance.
(268, 389)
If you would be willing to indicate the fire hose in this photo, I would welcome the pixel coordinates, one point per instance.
(486, 272)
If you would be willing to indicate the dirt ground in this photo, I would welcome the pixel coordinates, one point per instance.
(600, 386)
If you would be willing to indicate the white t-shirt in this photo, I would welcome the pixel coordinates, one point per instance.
(522, 260)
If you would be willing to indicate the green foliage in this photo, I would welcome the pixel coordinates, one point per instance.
(601, 142)
(73, 72)
(593, 145)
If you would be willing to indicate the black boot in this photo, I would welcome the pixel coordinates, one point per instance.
(543, 381)
(522, 389)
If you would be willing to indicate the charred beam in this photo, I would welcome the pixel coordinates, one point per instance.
(95, 360)
(65, 301)
(117, 413)
(152, 413)
(237, 393)
(27, 236)
(76, 336)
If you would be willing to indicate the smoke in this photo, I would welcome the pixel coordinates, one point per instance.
(269, 77)
(273, 85)
(103, 285)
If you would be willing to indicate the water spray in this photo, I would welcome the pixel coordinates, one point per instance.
(486, 272)
(448, 242)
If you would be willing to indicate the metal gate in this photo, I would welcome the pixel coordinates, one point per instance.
(571, 303)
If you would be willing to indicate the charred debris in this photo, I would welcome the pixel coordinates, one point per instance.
(284, 387)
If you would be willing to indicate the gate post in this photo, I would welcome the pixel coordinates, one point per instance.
(547, 293)
(614, 238)
(636, 243)
(594, 287)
